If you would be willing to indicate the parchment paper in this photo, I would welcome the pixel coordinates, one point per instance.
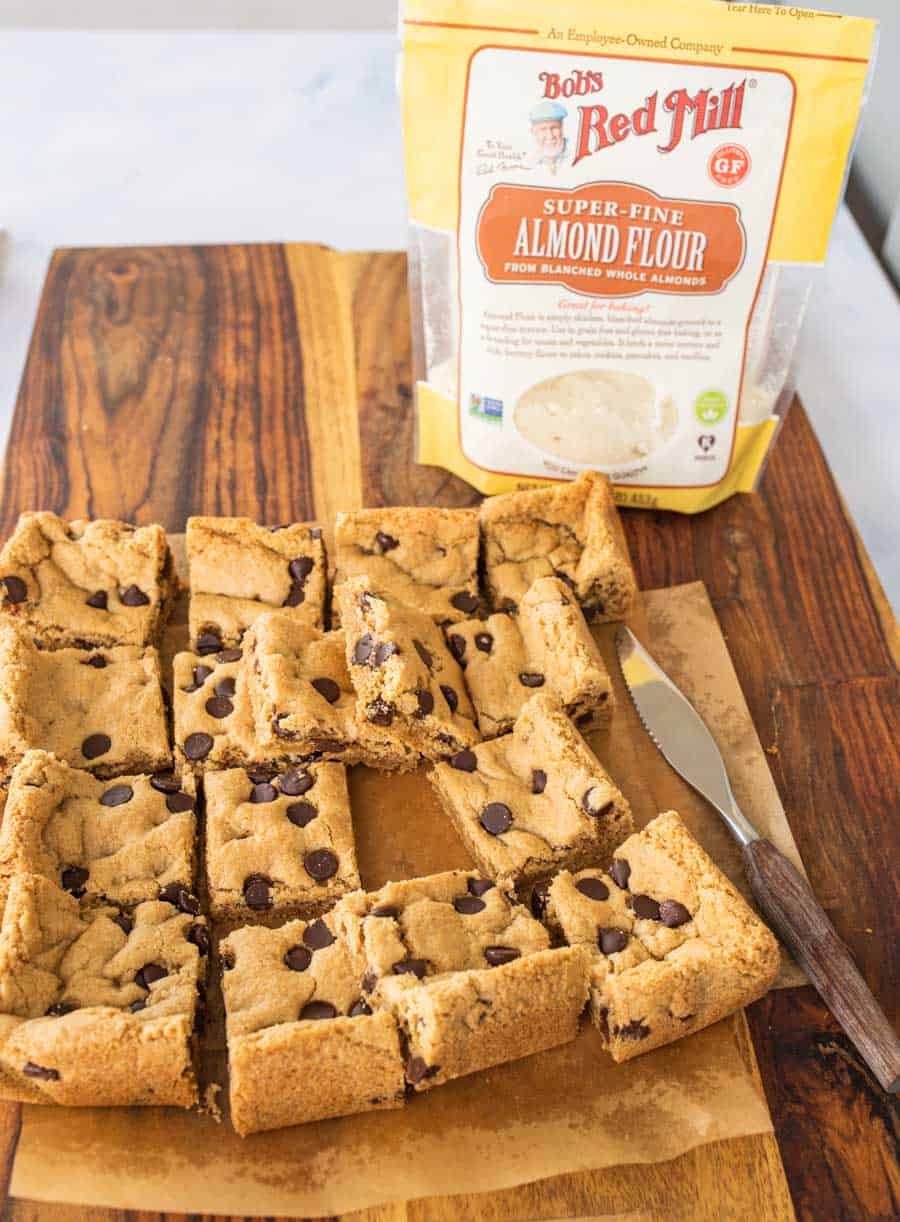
(569, 1109)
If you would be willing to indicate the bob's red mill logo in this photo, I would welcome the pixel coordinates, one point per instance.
(679, 114)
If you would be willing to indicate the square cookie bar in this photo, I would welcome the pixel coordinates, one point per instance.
(303, 1043)
(278, 844)
(304, 705)
(97, 1009)
(87, 584)
(425, 557)
(673, 945)
(120, 842)
(571, 531)
(407, 682)
(466, 971)
(547, 645)
(239, 569)
(535, 800)
(102, 711)
(212, 715)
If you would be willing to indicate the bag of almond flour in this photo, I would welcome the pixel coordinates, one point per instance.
(616, 211)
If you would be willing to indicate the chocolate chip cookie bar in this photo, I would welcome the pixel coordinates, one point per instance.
(466, 971)
(100, 710)
(674, 947)
(278, 844)
(304, 705)
(425, 557)
(406, 680)
(239, 569)
(570, 531)
(120, 842)
(97, 1008)
(87, 585)
(213, 718)
(548, 646)
(536, 800)
(303, 1042)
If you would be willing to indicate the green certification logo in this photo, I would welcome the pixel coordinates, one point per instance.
(711, 406)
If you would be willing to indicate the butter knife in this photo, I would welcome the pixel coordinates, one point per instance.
(783, 894)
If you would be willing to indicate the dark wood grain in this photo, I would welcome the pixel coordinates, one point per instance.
(167, 381)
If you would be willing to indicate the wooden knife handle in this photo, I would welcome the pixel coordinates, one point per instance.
(787, 900)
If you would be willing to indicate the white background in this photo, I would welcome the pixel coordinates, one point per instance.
(160, 137)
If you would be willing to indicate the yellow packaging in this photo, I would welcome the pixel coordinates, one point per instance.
(615, 214)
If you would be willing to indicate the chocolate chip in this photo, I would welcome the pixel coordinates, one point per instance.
(593, 888)
(362, 651)
(298, 958)
(359, 1007)
(538, 780)
(645, 907)
(97, 661)
(426, 703)
(301, 813)
(380, 713)
(59, 1008)
(317, 935)
(368, 981)
(98, 600)
(124, 922)
(197, 746)
(496, 818)
(417, 1070)
(208, 642)
(592, 803)
(672, 914)
(321, 864)
(328, 689)
(262, 792)
(531, 679)
(620, 872)
(464, 601)
(415, 967)
(540, 896)
(201, 674)
(316, 1010)
(457, 645)
(199, 936)
(16, 589)
(611, 941)
(30, 1070)
(226, 958)
(229, 655)
(464, 761)
(257, 892)
(498, 955)
(133, 597)
(385, 542)
(385, 910)
(296, 782)
(296, 595)
(116, 795)
(484, 641)
(300, 569)
(226, 686)
(165, 782)
(468, 905)
(179, 897)
(219, 707)
(149, 974)
(451, 697)
(479, 886)
(259, 776)
(73, 879)
(424, 654)
(95, 745)
(323, 745)
(635, 1030)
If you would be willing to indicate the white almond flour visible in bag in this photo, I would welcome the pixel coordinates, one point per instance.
(615, 211)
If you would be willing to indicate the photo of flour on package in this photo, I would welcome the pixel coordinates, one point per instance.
(615, 215)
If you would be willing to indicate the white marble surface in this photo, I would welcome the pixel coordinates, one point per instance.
(252, 136)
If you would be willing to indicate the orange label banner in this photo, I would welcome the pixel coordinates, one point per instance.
(609, 239)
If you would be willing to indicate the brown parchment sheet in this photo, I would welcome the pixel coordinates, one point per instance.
(569, 1109)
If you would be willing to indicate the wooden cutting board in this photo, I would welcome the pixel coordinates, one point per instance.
(274, 381)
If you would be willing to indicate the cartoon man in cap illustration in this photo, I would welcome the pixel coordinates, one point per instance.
(550, 145)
